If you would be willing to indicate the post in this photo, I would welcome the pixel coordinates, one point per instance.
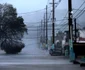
(41, 31)
(46, 28)
(75, 30)
(53, 25)
(72, 55)
(41, 38)
(37, 34)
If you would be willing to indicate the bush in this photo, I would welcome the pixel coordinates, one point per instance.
(12, 47)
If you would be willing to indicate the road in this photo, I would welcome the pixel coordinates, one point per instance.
(34, 58)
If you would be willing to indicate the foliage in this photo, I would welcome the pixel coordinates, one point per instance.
(11, 26)
(12, 29)
(12, 47)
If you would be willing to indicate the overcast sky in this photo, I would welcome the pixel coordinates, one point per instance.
(33, 5)
(26, 5)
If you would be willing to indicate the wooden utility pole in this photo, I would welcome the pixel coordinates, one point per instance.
(46, 26)
(72, 55)
(70, 17)
(44, 29)
(75, 30)
(37, 35)
(53, 22)
(41, 31)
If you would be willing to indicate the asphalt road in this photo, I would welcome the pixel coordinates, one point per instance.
(42, 67)
(34, 58)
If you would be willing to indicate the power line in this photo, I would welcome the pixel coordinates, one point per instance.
(58, 3)
(79, 7)
(80, 13)
(63, 18)
(55, 7)
(48, 21)
(32, 11)
(63, 24)
(48, 26)
(64, 27)
(45, 29)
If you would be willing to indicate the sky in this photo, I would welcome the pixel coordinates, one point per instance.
(32, 5)
(24, 6)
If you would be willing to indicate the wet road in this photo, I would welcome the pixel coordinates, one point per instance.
(32, 48)
(42, 67)
(33, 55)
(34, 58)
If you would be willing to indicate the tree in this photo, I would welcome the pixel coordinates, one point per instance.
(11, 26)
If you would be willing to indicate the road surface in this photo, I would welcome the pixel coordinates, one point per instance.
(34, 58)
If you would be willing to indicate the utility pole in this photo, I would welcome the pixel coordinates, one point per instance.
(75, 30)
(70, 17)
(46, 27)
(37, 35)
(72, 55)
(53, 23)
(41, 31)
